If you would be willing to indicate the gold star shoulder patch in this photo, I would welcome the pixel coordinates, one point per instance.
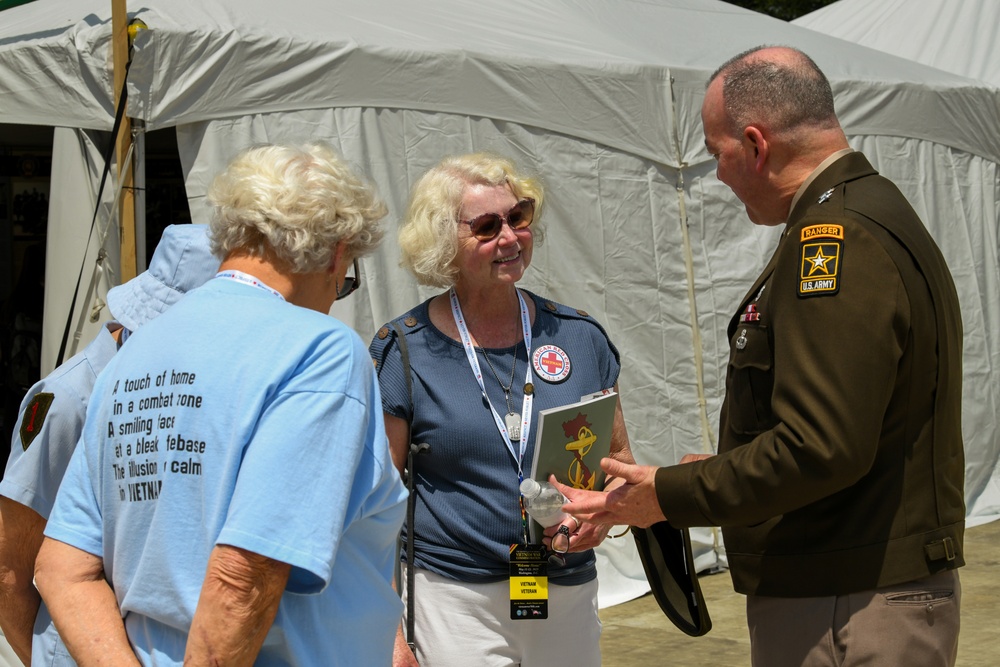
(821, 252)
(34, 417)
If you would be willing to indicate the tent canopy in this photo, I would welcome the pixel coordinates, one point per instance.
(957, 37)
(601, 98)
(613, 72)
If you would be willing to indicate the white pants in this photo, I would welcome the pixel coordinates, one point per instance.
(459, 624)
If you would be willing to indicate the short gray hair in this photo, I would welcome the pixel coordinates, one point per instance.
(297, 202)
(781, 95)
(428, 238)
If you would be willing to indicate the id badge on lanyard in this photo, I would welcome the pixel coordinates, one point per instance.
(529, 581)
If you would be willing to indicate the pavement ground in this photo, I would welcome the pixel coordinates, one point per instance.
(637, 633)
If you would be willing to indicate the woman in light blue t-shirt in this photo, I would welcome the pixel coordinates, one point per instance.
(232, 499)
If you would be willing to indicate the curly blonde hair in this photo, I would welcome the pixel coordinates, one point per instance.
(428, 238)
(297, 202)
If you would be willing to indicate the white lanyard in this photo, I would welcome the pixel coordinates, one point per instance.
(470, 353)
(247, 279)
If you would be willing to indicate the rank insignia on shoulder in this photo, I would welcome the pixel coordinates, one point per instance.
(34, 417)
(820, 267)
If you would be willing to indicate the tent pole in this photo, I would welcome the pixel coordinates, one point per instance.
(123, 142)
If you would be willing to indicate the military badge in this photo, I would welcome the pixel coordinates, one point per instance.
(820, 268)
(34, 416)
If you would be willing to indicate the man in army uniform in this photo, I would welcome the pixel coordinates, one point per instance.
(840, 473)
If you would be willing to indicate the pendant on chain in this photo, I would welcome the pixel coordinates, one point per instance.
(513, 421)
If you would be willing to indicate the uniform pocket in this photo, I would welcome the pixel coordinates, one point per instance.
(751, 380)
(920, 597)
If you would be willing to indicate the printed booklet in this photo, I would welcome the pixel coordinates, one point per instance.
(570, 442)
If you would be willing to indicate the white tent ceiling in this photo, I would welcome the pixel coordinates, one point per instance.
(600, 97)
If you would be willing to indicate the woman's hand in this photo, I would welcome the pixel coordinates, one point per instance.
(581, 536)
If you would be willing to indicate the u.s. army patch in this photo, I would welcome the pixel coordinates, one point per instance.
(820, 268)
(34, 417)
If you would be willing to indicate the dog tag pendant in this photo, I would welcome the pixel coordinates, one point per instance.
(513, 422)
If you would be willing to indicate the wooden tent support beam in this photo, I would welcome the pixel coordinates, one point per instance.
(126, 202)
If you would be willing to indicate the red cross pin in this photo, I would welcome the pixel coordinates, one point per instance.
(551, 363)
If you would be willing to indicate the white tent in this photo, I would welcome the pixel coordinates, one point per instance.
(958, 37)
(600, 97)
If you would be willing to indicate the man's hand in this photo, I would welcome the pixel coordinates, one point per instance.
(634, 503)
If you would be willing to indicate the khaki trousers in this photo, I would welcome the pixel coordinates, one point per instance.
(904, 625)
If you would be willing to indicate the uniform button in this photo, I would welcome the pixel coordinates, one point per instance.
(410, 321)
(551, 306)
(582, 313)
(383, 332)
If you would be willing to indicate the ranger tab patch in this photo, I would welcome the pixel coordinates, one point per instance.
(822, 232)
(34, 417)
(822, 249)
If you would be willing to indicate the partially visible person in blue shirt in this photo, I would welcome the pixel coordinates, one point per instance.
(49, 425)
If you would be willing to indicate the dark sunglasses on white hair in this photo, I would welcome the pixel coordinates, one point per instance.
(487, 226)
(350, 283)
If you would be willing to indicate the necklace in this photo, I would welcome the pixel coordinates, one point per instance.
(511, 419)
(524, 427)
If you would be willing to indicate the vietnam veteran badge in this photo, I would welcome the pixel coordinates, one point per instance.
(821, 252)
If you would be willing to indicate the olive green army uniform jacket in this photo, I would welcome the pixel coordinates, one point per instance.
(840, 463)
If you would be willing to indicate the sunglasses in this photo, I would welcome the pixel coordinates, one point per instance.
(351, 283)
(487, 226)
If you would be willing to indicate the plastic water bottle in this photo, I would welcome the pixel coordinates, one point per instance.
(543, 502)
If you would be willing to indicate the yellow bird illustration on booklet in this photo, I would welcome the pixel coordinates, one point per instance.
(580, 476)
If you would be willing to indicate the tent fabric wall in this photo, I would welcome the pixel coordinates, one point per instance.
(602, 99)
(76, 174)
(957, 37)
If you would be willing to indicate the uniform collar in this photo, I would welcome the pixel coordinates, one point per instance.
(833, 157)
